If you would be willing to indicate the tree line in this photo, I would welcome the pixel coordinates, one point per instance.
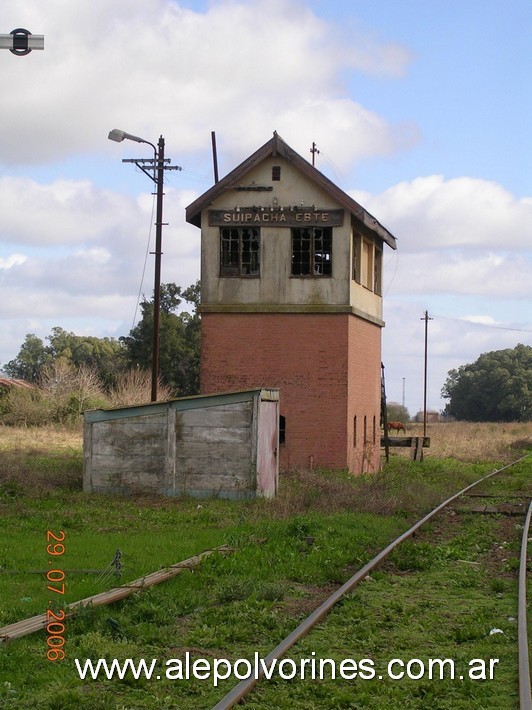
(74, 372)
(92, 371)
(497, 387)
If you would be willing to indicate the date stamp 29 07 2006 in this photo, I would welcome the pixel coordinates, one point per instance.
(55, 628)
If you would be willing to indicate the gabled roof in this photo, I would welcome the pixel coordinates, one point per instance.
(22, 384)
(274, 147)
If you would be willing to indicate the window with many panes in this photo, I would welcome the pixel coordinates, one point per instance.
(367, 263)
(312, 251)
(239, 251)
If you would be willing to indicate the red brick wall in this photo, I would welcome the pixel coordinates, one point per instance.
(364, 394)
(316, 361)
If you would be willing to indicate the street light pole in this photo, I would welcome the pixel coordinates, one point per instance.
(158, 163)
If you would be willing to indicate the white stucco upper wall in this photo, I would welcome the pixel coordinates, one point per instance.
(276, 287)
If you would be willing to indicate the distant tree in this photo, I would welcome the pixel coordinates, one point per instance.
(104, 355)
(432, 415)
(397, 413)
(496, 387)
(179, 343)
(30, 360)
(179, 338)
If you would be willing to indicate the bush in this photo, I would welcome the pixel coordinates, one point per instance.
(64, 393)
(71, 390)
(134, 387)
(26, 407)
(397, 413)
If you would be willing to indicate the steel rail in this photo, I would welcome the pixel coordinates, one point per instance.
(245, 686)
(525, 698)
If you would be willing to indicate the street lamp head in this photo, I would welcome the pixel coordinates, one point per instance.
(117, 135)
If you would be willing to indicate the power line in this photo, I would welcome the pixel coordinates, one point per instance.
(483, 325)
(145, 262)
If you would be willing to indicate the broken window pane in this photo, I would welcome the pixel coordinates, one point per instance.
(239, 251)
(312, 251)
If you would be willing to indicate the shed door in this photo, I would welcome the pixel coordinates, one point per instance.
(267, 449)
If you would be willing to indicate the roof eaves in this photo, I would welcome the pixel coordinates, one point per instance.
(277, 146)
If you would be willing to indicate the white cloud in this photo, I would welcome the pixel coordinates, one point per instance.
(241, 68)
(431, 213)
(60, 212)
(506, 275)
(86, 249)
(12, 260)
(480, 319)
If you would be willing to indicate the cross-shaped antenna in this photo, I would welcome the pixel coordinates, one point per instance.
(314, 150)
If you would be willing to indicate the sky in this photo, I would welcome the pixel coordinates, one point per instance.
(420, 110)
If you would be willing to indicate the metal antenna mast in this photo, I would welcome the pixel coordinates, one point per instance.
(314, 150)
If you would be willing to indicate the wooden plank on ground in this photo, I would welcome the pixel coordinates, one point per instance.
(39, 622)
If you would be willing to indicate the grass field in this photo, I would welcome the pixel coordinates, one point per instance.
(467, 441)
(288, 555)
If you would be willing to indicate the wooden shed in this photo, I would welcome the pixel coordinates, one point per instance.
(223, 445)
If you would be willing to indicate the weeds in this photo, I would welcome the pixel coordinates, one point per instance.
(476, 442)
(441, 594)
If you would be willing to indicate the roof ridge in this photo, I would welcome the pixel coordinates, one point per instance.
(274, 146)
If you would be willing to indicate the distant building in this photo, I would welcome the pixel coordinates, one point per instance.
(433, 416)
(7, 384)
(291, 278)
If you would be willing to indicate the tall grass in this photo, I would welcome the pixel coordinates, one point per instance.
(44, 458)
(476, 442)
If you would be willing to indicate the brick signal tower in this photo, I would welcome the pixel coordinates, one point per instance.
(291, 275)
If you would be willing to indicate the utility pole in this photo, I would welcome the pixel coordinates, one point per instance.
(157, 163)
(214, 155)
(384, 416)
(158, 257)
(426, 319)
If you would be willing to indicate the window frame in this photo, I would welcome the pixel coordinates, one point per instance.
(377, 270)
(366, 262)
(232, 263)
(317, 234)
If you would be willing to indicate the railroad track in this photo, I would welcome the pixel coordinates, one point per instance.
(245, 687)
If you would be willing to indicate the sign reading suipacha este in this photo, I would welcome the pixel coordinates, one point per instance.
(280, 217)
